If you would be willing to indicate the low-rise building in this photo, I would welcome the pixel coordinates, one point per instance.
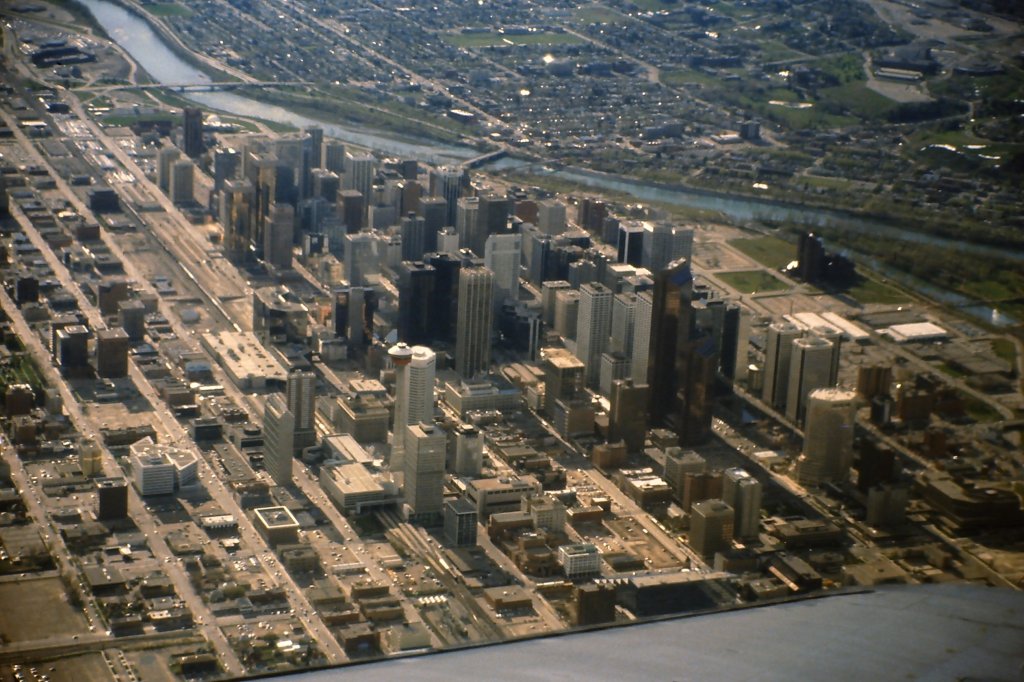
(579, 561)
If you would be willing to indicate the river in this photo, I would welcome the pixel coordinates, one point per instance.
(148, 49)
(151, 53)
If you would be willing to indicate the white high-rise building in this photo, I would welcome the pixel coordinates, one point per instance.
(414, 394)
(447, 240)
(301, 397)
(361, 257)
(426, 447)
(551, 216)
(447, 184)
(474, 321)
(278, 236)
(359, 172)
(810, 367)
(467, 214)
(664, 243)
(278, 439)
(623, 318)
(777, 353)
(828, 436)
(642, 336)
(592, 327)
(469, 450)
(502, 254)
(742, 492)
(165, 160)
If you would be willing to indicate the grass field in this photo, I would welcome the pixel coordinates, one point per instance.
(1005, 350)
(678, 77)
(498, 39)
(752, 281)
(857, 99)
(979, 411)
(37, 609)
(770, 252)
(871, 291)
(654, 5)
(168, 9)
(598, 14)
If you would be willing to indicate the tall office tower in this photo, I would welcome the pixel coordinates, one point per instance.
(361, 259)
(678, 464)
(414, 237)
(448, 183)
(434, 211)
(310, 216)
(236, 201)
(627, 416)
(193, 132)
(541, 262)
(473, 332)
(697, 365)
(225, 167)
(414, 394)
(672, 327)
(352, 207)
(359, 172)
(742, 492)
(828, 436)
(416, 281)
(423, 485)
(567, 312)
(316, 145)
(591, 214)
(874, 381)
(467, 215)
(165, 160)
(112, 346)
(278, 234)
(613, 366)
(444, 309)
(711, 527)
(630, 243)
(610, 229)
(810, 257)
(326, 185)
(551, 216)
(469, 450)
(623, 318)
(834, 337)
(502, 255)
(642, 320)
(334, 156)
(411, 196)
(492, 219)
(664, 243)
(810, 367)
(735, 341)
(563, 377)
(547, 299)
(581, 272)
(390, 247)
(301, 394)
(112, 498)
(278, 439)
(777, 354)
(447, 240)
(180, 190)
(307, 153)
